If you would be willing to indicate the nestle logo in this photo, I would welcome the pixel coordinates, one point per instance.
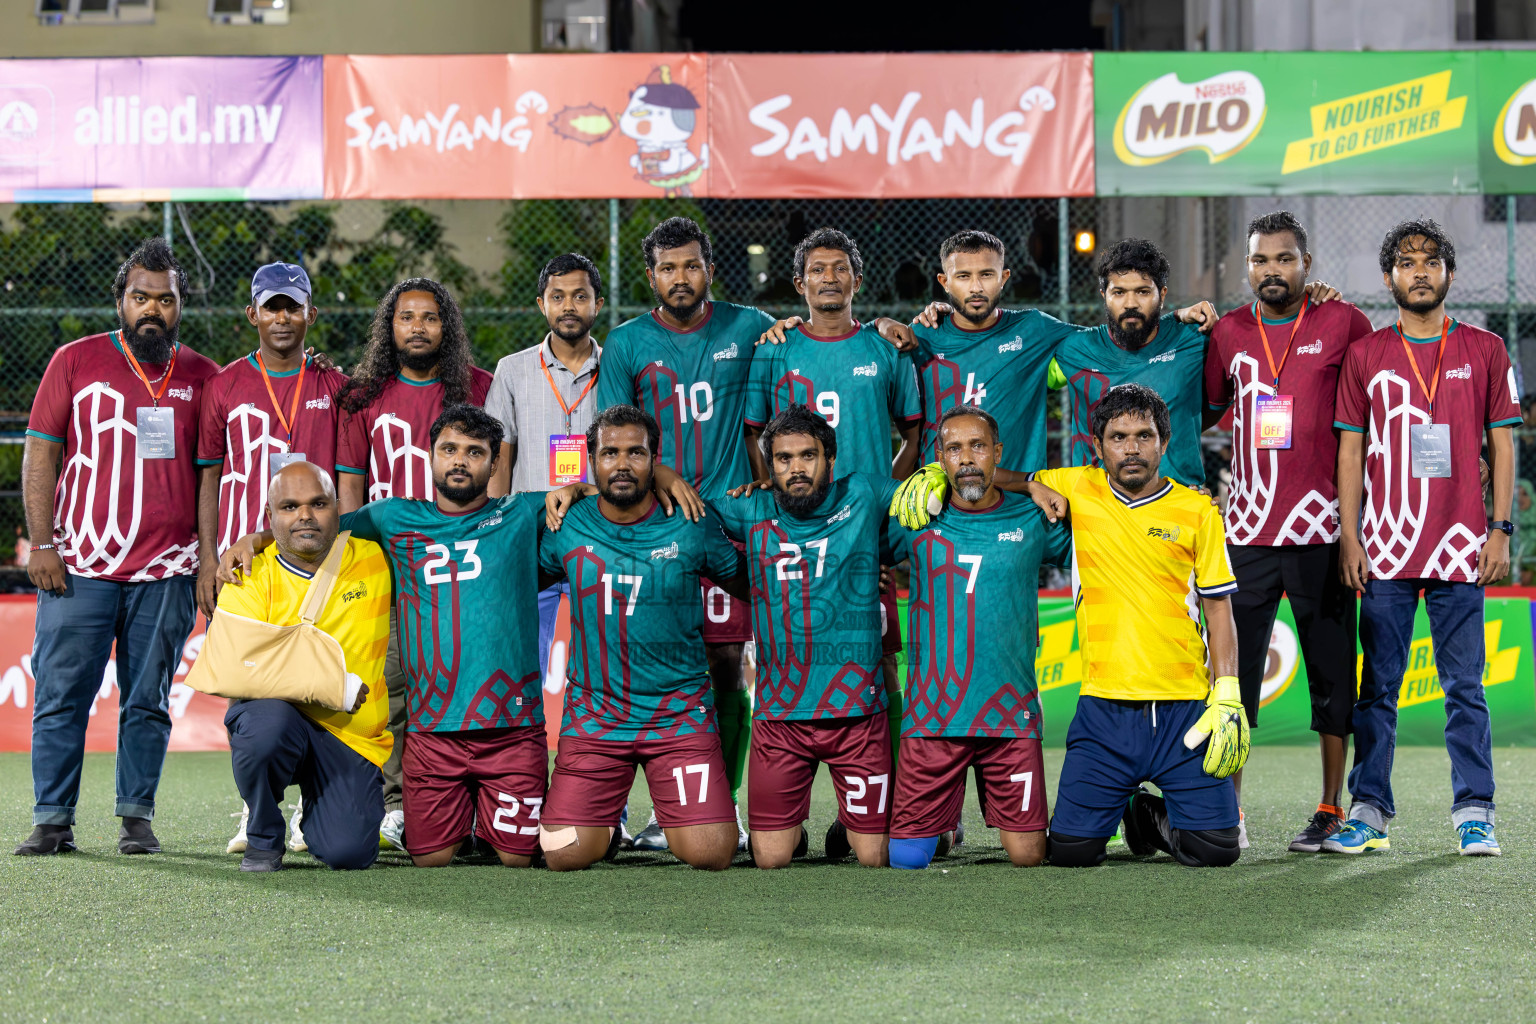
(1166, 357)
(323, 402)
(1314, 349)
(1016, 345)
(1459, 373)
(866, 371)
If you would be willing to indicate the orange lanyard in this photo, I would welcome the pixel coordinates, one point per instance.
(1434, 385)
(165, 380)
(567, 409)
(292, 419)
(1273, 369)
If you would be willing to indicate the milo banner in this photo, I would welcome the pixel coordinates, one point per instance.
(1272, 123)
(1285, 710)
(1506, 120)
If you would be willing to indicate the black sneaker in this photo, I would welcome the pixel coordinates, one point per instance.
(1145, 825)
(47, 840)
(959, 839)
(837, 846)
(135, 837)
(1322, 826)
(261, 860)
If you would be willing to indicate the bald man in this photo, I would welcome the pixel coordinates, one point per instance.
(332, 756)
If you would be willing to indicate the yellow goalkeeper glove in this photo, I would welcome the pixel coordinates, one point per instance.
(1226, 724)
(920, 497)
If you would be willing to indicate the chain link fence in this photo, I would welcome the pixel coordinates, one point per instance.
(57, 263)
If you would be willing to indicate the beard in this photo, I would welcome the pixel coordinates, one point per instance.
(972, 487)
(803, 505)
(1275, 292)
(420, 362)
(1134, 337)
(680, 305)
(572, 334)
(461, 494)
(963, 311)
(624, 500)
(149, 348)
(1417, 306)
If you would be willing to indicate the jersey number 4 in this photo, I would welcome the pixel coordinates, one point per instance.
(440, 567)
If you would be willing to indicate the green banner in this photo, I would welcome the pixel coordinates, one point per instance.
(1286, 123)
(1285, 710)
(1506, 120)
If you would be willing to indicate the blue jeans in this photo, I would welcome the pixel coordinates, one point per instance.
(549, 610)
(1386, 635)
(272, 746)
(150, 622)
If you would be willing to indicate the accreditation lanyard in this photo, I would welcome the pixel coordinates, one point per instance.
(1274, 413)
(1429, 444)
(165, 378)
(567, 409)
(567, 451)
(154, 427)
(1434, 384)
(292, 419)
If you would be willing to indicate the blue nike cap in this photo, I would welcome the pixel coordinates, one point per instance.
(279, 279)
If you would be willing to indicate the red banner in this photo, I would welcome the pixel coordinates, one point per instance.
(516, 126)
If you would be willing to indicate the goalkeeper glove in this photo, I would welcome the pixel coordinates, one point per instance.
(920, 497)
(1227, 726)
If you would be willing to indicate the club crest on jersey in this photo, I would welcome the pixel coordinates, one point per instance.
(323, 402)
(355, 591)
(1016, 345)
(1314, 349)
(494, 520)
(1016, 535)
(873, 369)
(1167, 533)
(670, 551)
(1459, 372)
(185, 394)
(840, 515)
(727, 353)
(1166, 357)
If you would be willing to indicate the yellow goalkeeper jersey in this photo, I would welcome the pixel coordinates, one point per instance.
(1139, 569)
(357, 615)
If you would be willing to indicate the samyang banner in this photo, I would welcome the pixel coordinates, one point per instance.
(517, 126)
(155, 128)
(901, 125)
(1286, 123)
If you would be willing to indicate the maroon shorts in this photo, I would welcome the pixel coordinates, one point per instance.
(491, 778)
(685, 774)
(890, 621)
(930, 784)
(782, 766)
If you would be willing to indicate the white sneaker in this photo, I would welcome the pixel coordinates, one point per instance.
(296, 841)
(742, 840)
(1242, 830)
(392, 831)
(237, 844)
(651, 837)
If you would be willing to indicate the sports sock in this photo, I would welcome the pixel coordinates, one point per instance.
(894, 717)
(1337, 812)
(913, 854)
(733, 712)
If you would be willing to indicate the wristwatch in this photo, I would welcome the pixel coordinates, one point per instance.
(1502, 524)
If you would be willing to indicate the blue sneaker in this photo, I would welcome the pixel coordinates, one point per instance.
(1356, 837)
(1477, 839)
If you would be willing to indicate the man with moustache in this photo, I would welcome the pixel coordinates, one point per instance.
(115, 544)
(1276, 360)
(686, 364)
(466, 586)
(639, 691)
(1430, 390)
(814, 548)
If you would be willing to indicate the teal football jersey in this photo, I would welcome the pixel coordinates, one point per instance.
(1172, 364)
(1001, 369)
(972, 626)
(859, 382)
(816, 597)
(466, 606)
(695, 383)
(636, 668)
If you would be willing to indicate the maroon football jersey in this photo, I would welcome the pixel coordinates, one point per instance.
(388, 440)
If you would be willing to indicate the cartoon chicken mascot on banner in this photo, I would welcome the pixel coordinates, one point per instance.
(660, 117)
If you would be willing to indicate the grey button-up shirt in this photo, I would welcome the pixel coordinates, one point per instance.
(521, 398)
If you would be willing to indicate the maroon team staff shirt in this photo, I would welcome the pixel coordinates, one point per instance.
(1283, 496)
(241, 429)
(389, 439)
(1431, 527)
(118, 516)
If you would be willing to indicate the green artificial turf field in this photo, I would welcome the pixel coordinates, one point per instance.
(1416, 934)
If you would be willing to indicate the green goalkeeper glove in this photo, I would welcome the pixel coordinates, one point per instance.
(920, 497)
(1227, 726)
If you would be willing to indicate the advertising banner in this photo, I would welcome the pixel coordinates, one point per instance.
(901, 125)
(1286, 123)
(160, 127)
(1506, 120)
(517, 126)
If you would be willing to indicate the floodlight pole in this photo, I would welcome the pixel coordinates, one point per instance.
(615, 296)
(166, 220)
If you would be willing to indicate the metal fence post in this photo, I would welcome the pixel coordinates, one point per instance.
(1512, 334)
(166, 221)
(615, 294)
(1064, 299)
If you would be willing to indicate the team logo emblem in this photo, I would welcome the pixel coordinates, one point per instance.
(1165, 117)
(323, 402)
(495, 520)
(866, 371)
(185, 394)
(1016, 345)
(1016, 535)
(1314, 349)
(1459, 373)
(1166, 357)
(841, 514)
(352, 593)
(670, 551)
(729, 353)
(1167, 533)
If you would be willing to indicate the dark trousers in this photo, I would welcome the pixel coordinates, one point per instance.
(149, 622)
(272, 746)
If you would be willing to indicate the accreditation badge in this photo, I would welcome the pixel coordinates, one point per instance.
(567, 459)
(1429, 447)
(1274, 415)
(156, 429)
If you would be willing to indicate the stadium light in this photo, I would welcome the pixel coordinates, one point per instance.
(755, 249)
(1083, 242)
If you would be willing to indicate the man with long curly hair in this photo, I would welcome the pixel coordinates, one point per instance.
(417, 363)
